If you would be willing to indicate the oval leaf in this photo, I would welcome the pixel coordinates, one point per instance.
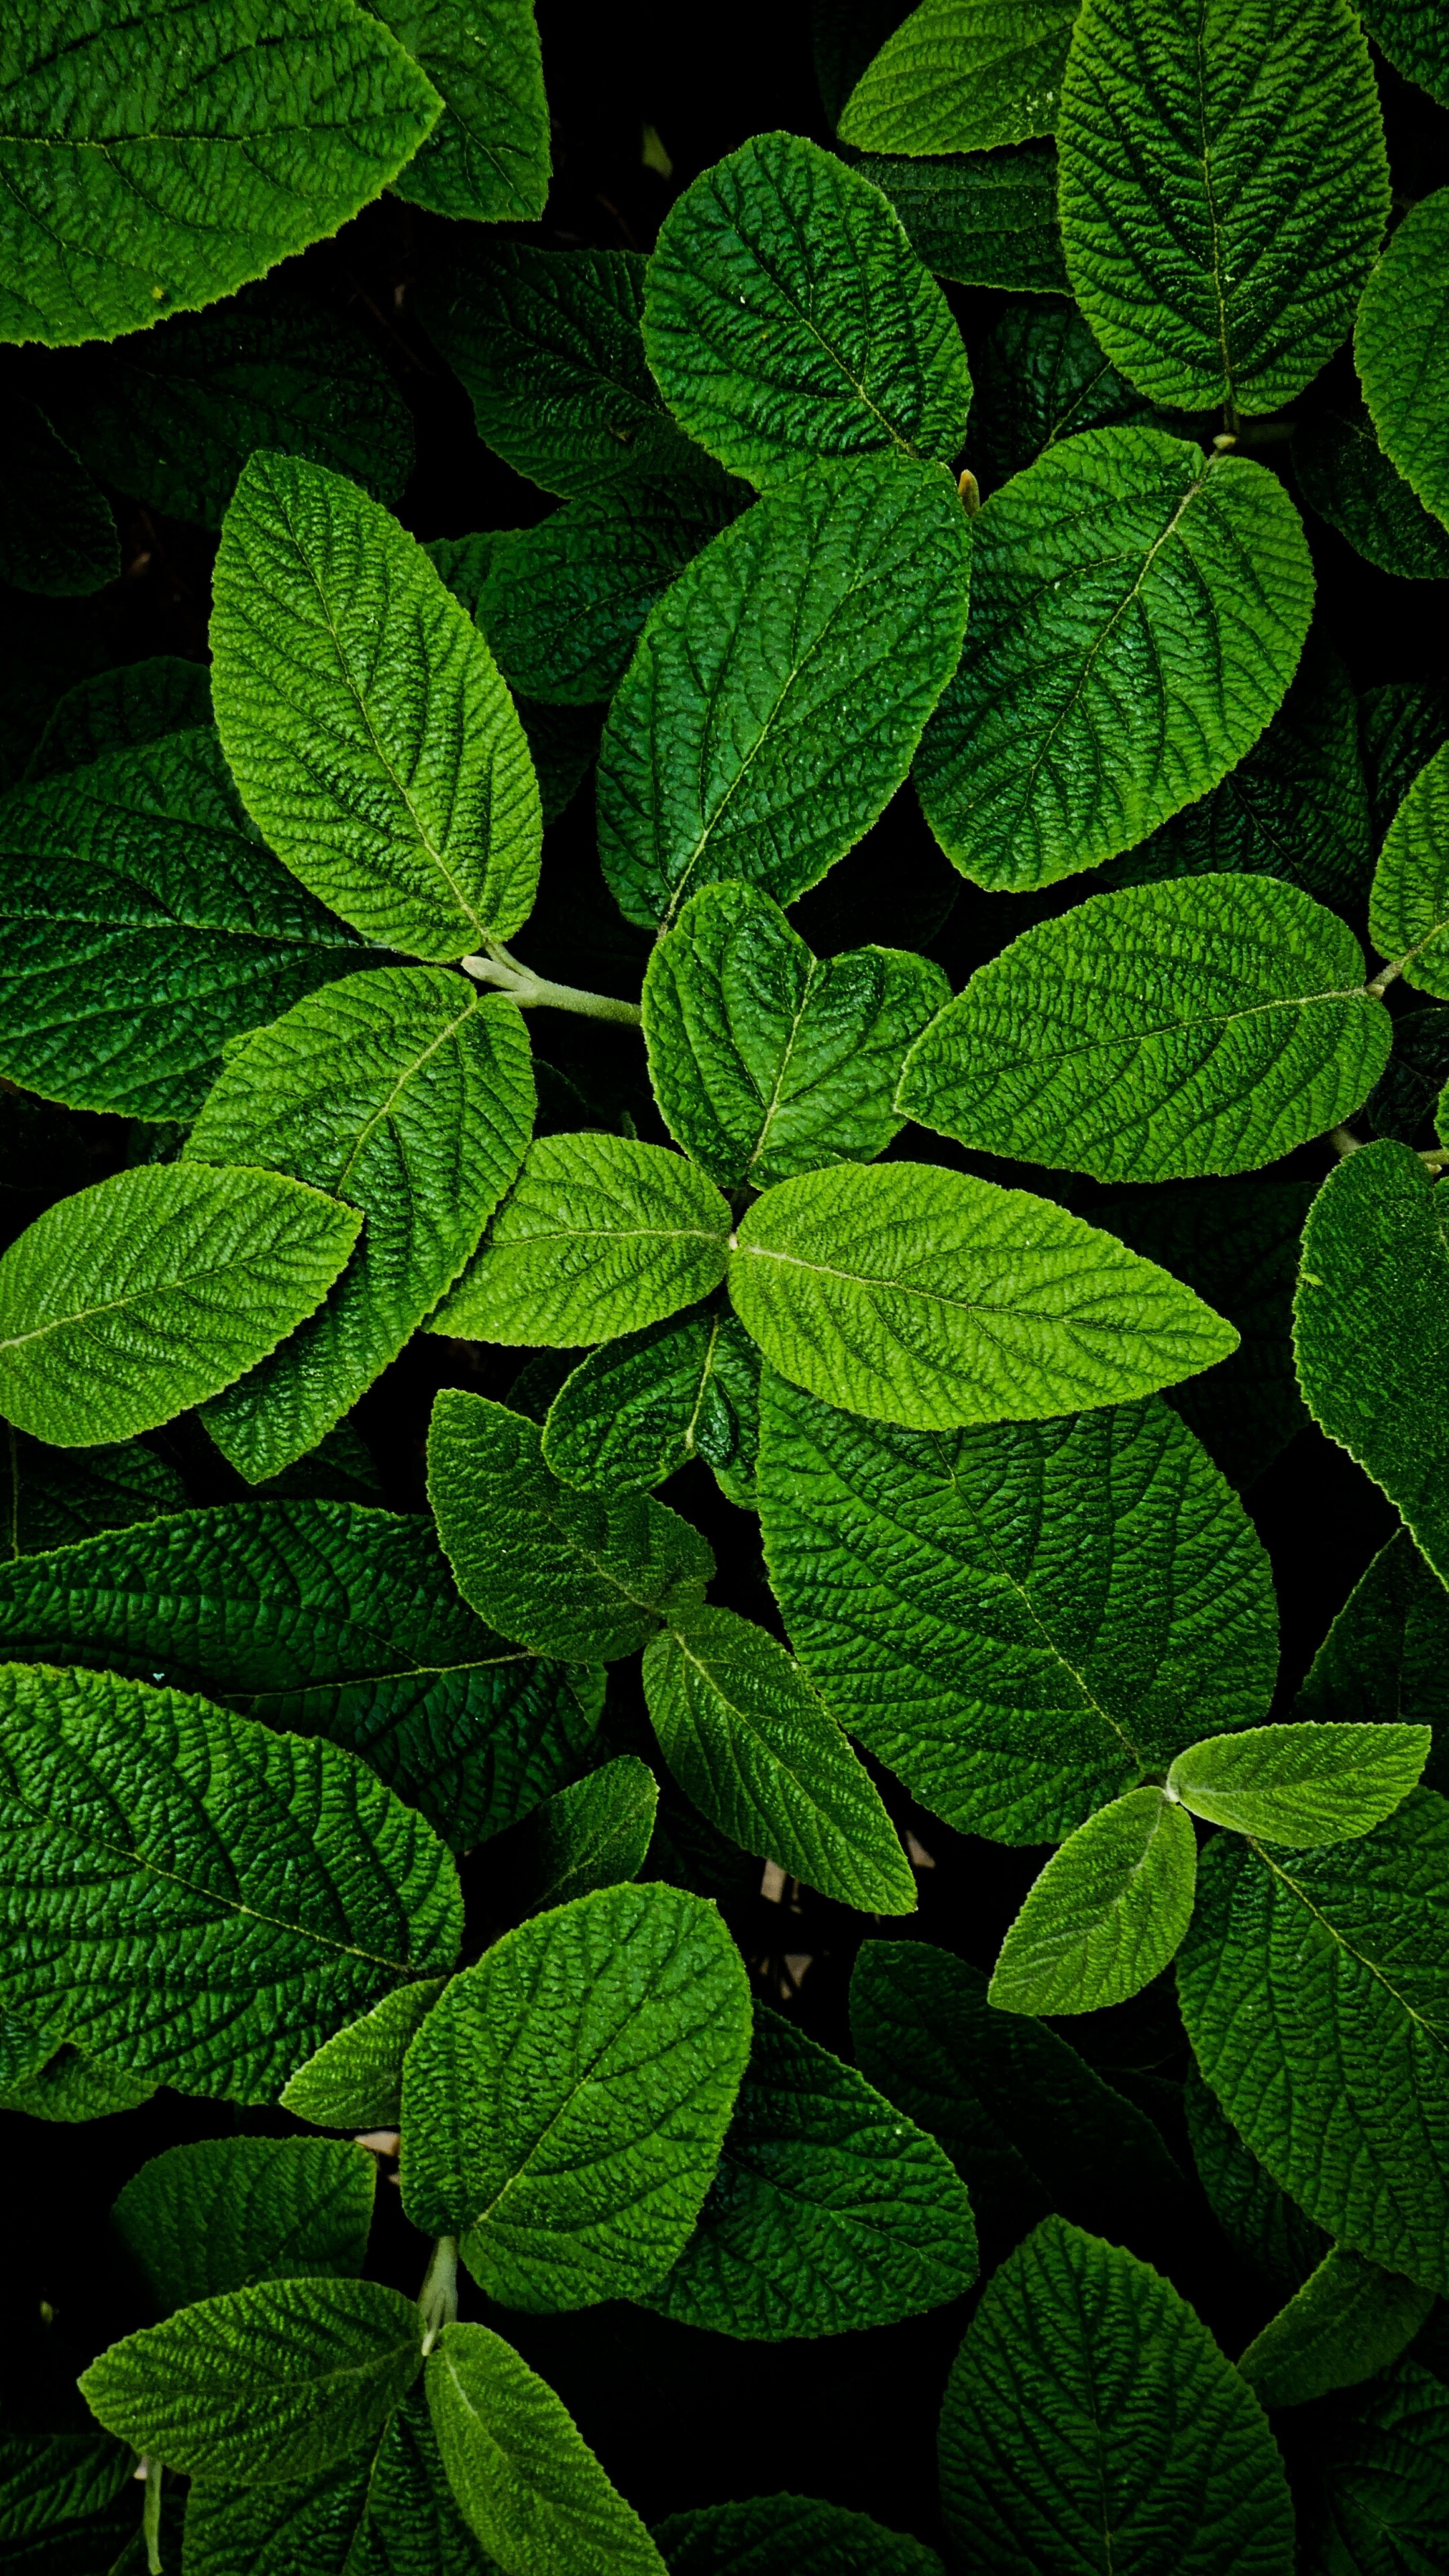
(962, 75)
(354, 2080)
(1346, 2324)
(1409, 904)
(1401, 342)
(641, 1408)
(1106, 1914)
(526, 2479)
(1303, 1784)
(787, 2535)
(228, 2212)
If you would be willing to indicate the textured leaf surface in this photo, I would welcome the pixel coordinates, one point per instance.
(787, 2535)
(1136, 616)
(787, 316)
(1386, 1657)
(386, 2509)
(1371, 1330)
(1019, 1621)
(53, 1498)
(584, 1574)
(71, 2087)
(1313, 1989)
(529, 2484)
(55, 2478)
(780, 687)
(599, 1235)
(117, 710)
(409, 1095)
(1106, 1914)
(767, 1060)
(564, 2104)
(157, 162)
(592, 1834)
(488, 155)
(354, 2080)
(1210, 272)
(1269, 2231)
(1385, 2489)
(1411, 33)
(145, 925)
(929, 1298)
(830, 2211)
(1409, 905)
(1346, 2324)
(1165, 1031)
(1302, 1784)
(640, 1408)
(983, 218)
(57, 533)
(194, 1897)
(1092, 2424)
(1345, 476)
(750, 1740)
(1042, 377)
(961, 75)
(228, 2212)
(327, 1619)
(1401, 342)
(365, 719)
(266, 2383)
(146, 1293)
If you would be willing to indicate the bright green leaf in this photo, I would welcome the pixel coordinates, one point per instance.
(1346, 2324)
(962, 75)
(71, 2087)
(488, 155)
(1106, 1914)
(228, 2212)
(57, 533)
(1304, 1784)
(1345, 476)
(123, 709)
(1401, 342)
(1409, 905)
(52, 1498)
(386, 2509)
(527, 2481)
(354, 2080)
(787, 2535)
(640, 1408)
(983, 219)
(1386, 1657)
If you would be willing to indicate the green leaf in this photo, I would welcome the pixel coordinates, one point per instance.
(750, 1740)
(1401, 342)
(1403, 1101)
(264, 2384)
(1383, 2485)
(52, 1498)
(787, 2535)
(767, 1061)
(1137, 613)
(640, 1408)
(120, 710)
(1209, 268)
(549, 348)
(145, 925)
(527, 2481)
(1371, 1330)
(364, 718)
(780, 687)
(1019, 1621)
(487, 157)
(830, 2212)
(584, 1574)
(1411, 34)
(151, 1291)
(1313, 1986)
(325, 1619)
(1345, 2325)
(1345, 476)
(70, 2087)
(599, 1235)
(1401, 724)
(57, 533)
(1409, 905)
(1090, 2421)
(1208, 1024)
(564, 2104)
(409, 1095)
(49, 2479)
(196, 1898)
(1386, 1657)
(1041, 377)
(1304, 1784)
(229, 2212)
(1261, 2223)
(1106, 1913)
(152, 164)
(786, 316)
(384, 2510)
(595, 1833)
(983, 219)
(354, 2080)
(962, 75)
(1027, 2124)
(929, 1298)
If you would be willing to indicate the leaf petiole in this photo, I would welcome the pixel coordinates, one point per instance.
(534, 992)
(438, 2297)
(150, 2470)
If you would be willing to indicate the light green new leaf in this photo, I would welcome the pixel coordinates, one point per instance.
(564, 2104)
(1371, 1330)
(488, 155)
(1106, 1914)
(119, 710)
(196, 1898)
(1401, 342)
(1345, 476)
(328, 1619)
(1091, 2422)
(787, 316)
(831, 2211)
(354, 2080)
(1315, 1991)
(1224, 191)
(592, 1834)
(1303, 1784)
(149, 1292)
(264, 2384)
(767, 1060)
(983, 219)
(1386, 1657)
(155, 162)
(145, 925)
(1137, 613)
(1041, 377)
(364, 717)
(1346, 2324)
(409, 1095)
(527, 2481)
(962, 75)
(1208, 1024)
(639, 1409)
(787, 2535)
(781, 685)
(927, 1297)
(386, 2509)
(599, 1235)
(57, 531)
(751, 1742)
(228, 2212)
(52, 1498)
(1412, 35)
(589, 1575)
(1409, 904)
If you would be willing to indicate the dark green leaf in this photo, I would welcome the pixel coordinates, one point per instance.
(57, 533)
(1041, 377)
(639, 1409)
(1409, 904)
(787, 2535)
(1346, 477)
(1386, 1657)
(983, 219)
(228, 2212)
(1411, 33)
(52, 1498)
(1403, 1100)
(1401, 342)
(962, 75)
(593, 1834)
(487, 157)
(118, 710)
(1261, 2223)
(1402, 723)
(1347, 2323)
(1383, 2499)
(384, 2510)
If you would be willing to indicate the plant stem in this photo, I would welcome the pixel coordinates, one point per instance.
(438, 2297)
(534, 992)
(1344, 1142)
(151, 2512)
